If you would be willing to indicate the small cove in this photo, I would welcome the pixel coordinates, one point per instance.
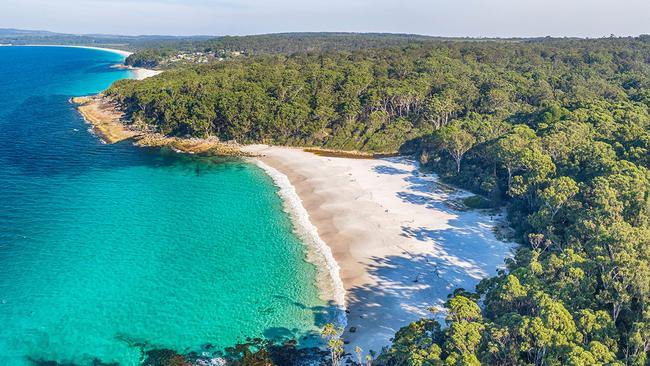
(102, 246)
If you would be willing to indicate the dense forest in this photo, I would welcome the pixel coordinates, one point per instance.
(557, 130)
(277, 43)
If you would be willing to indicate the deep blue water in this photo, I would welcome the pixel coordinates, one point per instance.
(105, 245)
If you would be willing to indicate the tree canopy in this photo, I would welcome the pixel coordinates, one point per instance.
(558, 130)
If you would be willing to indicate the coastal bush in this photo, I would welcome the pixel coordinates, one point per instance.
(477, 202)
(558, 130)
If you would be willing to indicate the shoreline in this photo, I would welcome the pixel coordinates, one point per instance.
(319, 253)
(108, 123)
(122, 53)
(399, 241)
(138, 73)
(389, 242)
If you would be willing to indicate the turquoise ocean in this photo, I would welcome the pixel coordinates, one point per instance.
(107, 246)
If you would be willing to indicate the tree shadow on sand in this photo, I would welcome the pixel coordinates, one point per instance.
(390, 170)
(405, 288)
(422, 189)
(463, 250)
(459, 251)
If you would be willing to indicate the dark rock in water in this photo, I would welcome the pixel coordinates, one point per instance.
(258, 352)
(95, 362)
(208, 346)
(291, 343)
(131, 341)
(267, 352)
(42, 362)
(353, 329)
(164, 357)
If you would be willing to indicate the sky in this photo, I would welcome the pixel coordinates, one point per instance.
(471, 18)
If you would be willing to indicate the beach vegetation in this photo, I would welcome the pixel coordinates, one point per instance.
(332, 336)
(557, 130)
(477, 202)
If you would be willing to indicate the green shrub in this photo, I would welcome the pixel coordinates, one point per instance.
(477, 202)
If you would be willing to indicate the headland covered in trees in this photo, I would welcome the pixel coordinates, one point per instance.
(365, 221)
(557, 130)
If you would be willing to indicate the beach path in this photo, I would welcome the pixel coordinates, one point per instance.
(398, 235)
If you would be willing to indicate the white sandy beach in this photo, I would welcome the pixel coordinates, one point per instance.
(389, 241)
(400, 245)
(122, 53)
(138, 73)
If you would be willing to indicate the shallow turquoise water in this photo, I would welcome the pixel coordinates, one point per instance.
(105, 245)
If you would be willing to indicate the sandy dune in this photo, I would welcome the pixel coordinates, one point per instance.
(401, 245)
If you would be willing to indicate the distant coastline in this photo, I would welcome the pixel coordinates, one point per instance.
(138, 73)
(122, 53)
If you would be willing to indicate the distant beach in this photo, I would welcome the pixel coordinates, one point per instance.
(400, 237)
(123, 53)
(138, 72)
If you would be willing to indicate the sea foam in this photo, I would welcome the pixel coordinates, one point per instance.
(319, 252)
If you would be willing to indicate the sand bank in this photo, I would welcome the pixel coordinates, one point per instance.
(400, 242)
